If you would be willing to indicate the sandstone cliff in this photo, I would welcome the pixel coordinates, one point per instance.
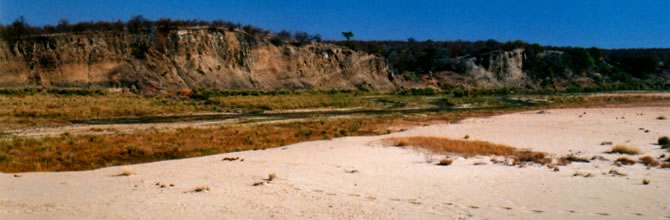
(192, 58)
(154, 62)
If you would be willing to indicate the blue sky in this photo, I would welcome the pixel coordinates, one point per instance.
(602, 23)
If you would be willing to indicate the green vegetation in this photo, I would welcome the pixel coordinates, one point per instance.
(551, 67)
(348, 35)
(664, 142)
(158, 30)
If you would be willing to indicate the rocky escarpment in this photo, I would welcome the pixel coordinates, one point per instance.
(191, 58)
(515, 69)
(159, 61)
(499, 69)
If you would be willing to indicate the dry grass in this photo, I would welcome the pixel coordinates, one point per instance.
(649, 161)
(82, 152)
(47, 109)
(614, 172)
(230, 158)
(624, 161)
(271, 177)
(624, 149)
(445, 162)
(583, 174)
(297, 101)
(200, 189)
(607, 101)
(127, 171)
(565, 160)
(468, 148)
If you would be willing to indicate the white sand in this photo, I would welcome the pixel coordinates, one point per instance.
(391, 183)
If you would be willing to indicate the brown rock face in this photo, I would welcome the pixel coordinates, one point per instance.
(194, 58)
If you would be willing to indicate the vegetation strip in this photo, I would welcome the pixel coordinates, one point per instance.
(468, 148)
(83, 152)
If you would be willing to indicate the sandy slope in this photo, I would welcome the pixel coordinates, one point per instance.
(315, 178)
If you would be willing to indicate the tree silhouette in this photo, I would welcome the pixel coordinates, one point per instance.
(348, 35)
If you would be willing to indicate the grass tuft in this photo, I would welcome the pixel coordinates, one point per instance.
(649, 161)
(614, 172)
(127, 171)
(271, 177)
(445, 162)
(583, 174)
(624, 149)
(565, 160)
(624, 161)
(200, 189)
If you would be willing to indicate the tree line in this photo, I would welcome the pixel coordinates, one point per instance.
(418, 58)
(20, 28)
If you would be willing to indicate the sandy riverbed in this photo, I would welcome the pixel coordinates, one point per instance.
(360, 178)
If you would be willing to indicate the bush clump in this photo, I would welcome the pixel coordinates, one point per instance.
(664, 142)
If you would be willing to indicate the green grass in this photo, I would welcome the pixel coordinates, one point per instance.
(664, 142)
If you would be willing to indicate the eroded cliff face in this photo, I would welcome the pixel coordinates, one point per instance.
(193, 58)
(210, 58)
(499, 69)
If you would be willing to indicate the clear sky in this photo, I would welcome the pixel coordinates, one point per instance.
(601, 23)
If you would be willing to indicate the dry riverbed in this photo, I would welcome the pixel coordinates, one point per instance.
(365, 178)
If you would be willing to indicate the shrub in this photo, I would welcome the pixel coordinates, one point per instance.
(664, 141)
(623, 149)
